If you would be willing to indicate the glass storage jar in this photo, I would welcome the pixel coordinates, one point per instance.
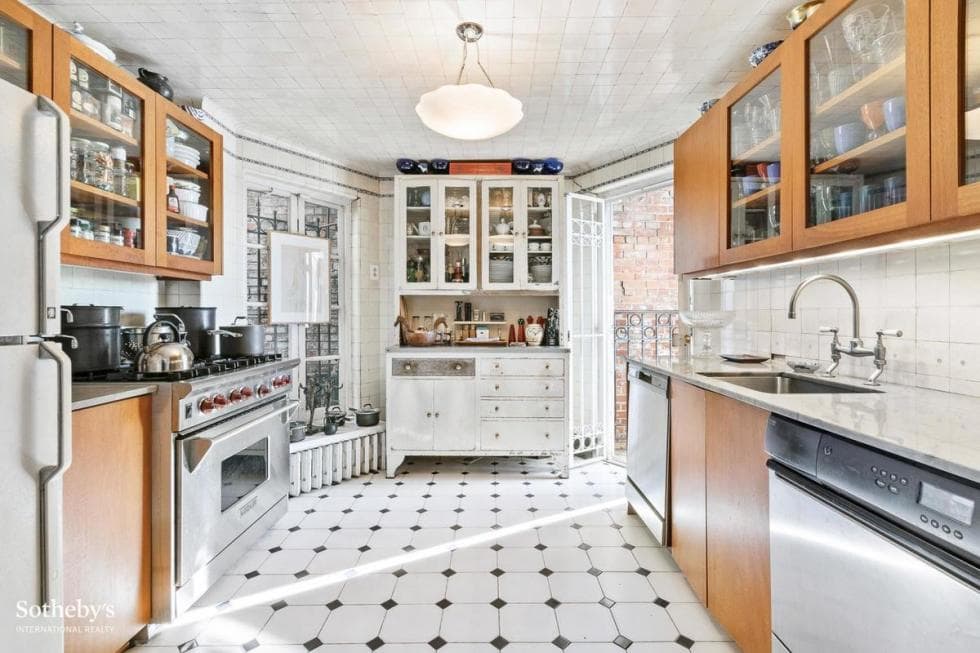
(98, 166)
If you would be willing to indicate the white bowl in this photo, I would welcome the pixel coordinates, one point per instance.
(187, 196)
(187, 242)
(194, 211)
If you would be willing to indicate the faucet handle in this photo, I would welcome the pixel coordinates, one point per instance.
(891, 333)
(828, 329)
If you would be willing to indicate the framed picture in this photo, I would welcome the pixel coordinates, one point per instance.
(299, 279)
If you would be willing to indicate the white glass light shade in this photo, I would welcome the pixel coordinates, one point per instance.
(469, 112)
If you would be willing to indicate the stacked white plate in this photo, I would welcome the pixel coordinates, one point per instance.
(501, 270)
(186, 155)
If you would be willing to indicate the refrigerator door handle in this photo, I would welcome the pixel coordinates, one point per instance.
(48, 270)
(50, 476)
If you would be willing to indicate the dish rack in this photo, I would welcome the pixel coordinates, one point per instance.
(324, 460)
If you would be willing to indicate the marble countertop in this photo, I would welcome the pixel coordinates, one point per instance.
(463, 349)
(939, 429)
(89, 395)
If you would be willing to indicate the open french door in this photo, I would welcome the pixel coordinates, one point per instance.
(588, 308)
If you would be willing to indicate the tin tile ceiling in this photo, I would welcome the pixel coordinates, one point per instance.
(599, 79)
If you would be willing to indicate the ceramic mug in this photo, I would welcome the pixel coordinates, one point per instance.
(546, 247)
(425, 229)
(772, 171)
(751, 184)
(849, 136)
(894, 109)
(533, 246)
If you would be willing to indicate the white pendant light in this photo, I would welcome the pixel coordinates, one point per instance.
(469, 112)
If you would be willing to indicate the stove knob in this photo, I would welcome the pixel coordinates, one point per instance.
(236, 396)
(205, 405)
(220, 401)
(263, 390)
(247, 392)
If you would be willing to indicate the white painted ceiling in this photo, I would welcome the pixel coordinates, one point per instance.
(599, 79)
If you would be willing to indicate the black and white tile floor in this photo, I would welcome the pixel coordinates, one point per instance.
(456, 558)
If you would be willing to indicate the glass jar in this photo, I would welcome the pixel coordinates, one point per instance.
(132, 182)
(98, 166)
(112, 107)
(128, 118)
(78, 148)
(118, 155)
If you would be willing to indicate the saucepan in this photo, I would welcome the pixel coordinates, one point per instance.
(368, 415)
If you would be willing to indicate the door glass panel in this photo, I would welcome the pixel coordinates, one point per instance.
(857, 112)
(106, 161)
(418, 237)
(243, 472)
(971, 94)
(458, 223)
(190, 214)
(540, 245)
(500, 225)
(15, 53)
(754, 179)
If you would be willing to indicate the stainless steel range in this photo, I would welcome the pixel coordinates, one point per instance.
(220, 471)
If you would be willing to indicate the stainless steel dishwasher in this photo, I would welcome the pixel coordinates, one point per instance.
(869, 552)
(647, 448)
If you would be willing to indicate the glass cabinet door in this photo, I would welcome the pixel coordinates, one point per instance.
(189, 196)
(111, 160)
(856, 112)
(25, 48)
(755, 166)
(538, 234)
(419, 236)
(970, 75)
(500, 231)
(457, 232)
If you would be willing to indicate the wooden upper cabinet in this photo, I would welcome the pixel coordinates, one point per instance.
(25, 48)
(756, 202)
(955, 107)
(866, 113)
(698, 172)
(112, 160)
(189, 161)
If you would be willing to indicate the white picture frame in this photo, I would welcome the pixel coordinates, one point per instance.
(299, 279)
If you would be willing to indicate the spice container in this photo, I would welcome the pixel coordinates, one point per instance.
(132, 181)
(118, 155)
(128, 118)
(111, 97)
(98, 166)
(78, 149)
(103, 233)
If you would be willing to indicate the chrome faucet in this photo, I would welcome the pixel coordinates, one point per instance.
(856, 346)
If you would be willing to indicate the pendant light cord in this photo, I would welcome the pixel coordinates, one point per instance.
(462, 67)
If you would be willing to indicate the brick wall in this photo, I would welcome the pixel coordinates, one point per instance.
(643, 271)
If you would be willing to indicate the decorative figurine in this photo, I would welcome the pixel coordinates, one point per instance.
(551, 328)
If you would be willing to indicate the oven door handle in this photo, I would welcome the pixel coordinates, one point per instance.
(196, 447)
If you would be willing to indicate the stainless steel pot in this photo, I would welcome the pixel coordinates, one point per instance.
(198, 320)
(297, 431)
(97, 330)
(249, 340)
(368, 415)
(219, 341)
(164, 356)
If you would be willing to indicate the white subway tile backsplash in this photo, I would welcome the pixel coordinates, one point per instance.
(930, 293)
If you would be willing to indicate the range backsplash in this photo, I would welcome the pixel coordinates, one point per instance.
(931, 293)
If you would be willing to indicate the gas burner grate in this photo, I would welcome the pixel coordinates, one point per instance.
(200, 370)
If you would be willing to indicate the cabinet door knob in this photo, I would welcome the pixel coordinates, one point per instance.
(496, 435)
(437, 415)
(428, 414)
(497, 387)
(547, 435)
(496, 366)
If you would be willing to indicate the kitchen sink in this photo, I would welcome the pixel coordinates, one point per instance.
(786, 384)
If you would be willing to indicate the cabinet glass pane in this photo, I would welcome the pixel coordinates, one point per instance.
(106, 161)
(539, 234)
(15, 53)
(501, 232)
(857, 112)
(418, 237)
(190, 215)
(971, 94)
(754, 178)
(458, 222)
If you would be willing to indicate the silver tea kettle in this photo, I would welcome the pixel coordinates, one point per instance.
(164, 355)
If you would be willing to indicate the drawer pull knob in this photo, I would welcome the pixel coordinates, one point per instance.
(547, 407)
(547, 435)
(496, 435)
(497, 387)
(547, 366)
(408, 367)
(496, 408)
(547, 387)
(458, 366)
(496, 366)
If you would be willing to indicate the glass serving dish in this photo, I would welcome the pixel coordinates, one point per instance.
(709, 306)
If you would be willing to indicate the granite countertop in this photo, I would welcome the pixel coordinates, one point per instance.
(89, 395)
(464, 349)
(939, 429)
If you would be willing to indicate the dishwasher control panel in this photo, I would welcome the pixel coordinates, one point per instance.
(944, 508)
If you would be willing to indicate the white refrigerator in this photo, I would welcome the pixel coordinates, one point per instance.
(35, 374)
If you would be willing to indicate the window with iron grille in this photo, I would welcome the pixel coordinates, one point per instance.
(318, 346)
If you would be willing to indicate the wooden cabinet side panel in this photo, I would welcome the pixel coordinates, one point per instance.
(698, 173)
(687, 484)
(107, 522)
(737, 508)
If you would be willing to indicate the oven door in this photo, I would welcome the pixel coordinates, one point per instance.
(228, 476)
